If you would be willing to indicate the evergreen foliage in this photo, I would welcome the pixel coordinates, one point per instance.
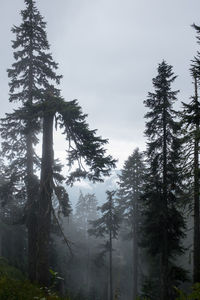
(86, 210)
(33, 81)
(196, 60)
(109, 221)
(163, 225)
(31, 76)
(190, 121)
(34, 70)
(107, 226)
(130, 189)
(150, 200)
(129, 193)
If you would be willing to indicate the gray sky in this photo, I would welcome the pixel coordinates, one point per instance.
(108, 52)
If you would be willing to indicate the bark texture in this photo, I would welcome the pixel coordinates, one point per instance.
(45, 205)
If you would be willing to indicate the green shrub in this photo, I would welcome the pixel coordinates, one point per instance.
(12, 289)
(20, 290)
(9, 271)
(194, 295)
(14, 285)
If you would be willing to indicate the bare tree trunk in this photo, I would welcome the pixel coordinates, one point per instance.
(31, 222)
(110, 268)
(44, 219)
(135, 253)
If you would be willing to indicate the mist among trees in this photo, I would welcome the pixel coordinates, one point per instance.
(143, 242)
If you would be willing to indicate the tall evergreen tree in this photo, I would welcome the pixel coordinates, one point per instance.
(130, 190)
(81, 213)
(29, 78)
(163, 221)
(32, 77)
(190, 118)
(86, 210)
(84, 148)
(92, 207)
(107, 226)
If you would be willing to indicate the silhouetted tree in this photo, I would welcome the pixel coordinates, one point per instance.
(107, 226)
(163, 223)
(30, 76)
(191, 115)
(130, 190)
(84, 147)
(86, 210)
(196, 60)
(190, 118)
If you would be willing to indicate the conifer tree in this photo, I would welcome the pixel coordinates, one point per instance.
(84, 147)
(86, 210)
(190, 119)
(92, 207)
(163, 223)
(196, 60)
(191, 116)
(32, 77)
(107, 226)
(81, 212)
(130, 191)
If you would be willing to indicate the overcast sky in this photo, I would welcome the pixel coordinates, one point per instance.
(108, 52)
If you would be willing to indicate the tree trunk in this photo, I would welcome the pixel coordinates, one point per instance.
(31, 222)
(31, 183)
(44, 219)
(164, 254)
(135, 252)
(110, 267)
(196, 253)
(1, 244)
